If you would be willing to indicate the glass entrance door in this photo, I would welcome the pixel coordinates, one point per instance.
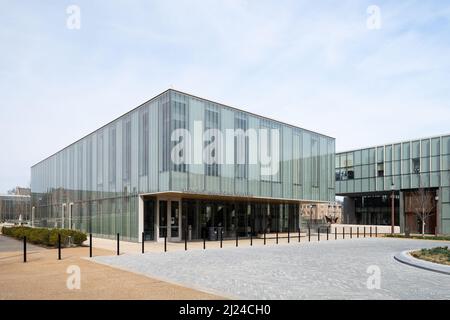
(175, 234)
(169, 220)
(162, 219)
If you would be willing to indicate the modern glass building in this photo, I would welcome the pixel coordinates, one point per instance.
(368, 177)
(233, 172)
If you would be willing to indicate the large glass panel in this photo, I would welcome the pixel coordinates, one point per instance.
(178, 122)
(241, 146)
(397, 152)
(343, 159)
(144, 143)
(162, 219)
(389, 153)
(349, 159)
(425, 148)
(174, 219)
(435, 146)
(416, 149)
(149, 219)
(365, 156)
(112, 155)
(406, 151)
(446, 145)
(416, 165)
(380, 154)
(372, 155)
(357, 157)
(126, 153)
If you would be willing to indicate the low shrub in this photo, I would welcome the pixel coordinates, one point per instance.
(46, 237)
(38, 236)
(438, 255)
(419, 237)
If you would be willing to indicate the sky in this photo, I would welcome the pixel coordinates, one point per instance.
(334, 67)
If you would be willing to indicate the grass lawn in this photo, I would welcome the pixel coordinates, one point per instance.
(438, 255)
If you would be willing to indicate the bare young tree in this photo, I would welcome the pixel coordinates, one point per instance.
(422, 204)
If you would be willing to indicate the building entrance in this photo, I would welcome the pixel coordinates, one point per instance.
(169, 219)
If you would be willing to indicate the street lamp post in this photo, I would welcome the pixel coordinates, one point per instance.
(436, 231)
(392, 209)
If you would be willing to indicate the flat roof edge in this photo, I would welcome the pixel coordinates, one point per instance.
(394, 143)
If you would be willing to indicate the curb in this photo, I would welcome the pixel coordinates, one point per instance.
(406, 258)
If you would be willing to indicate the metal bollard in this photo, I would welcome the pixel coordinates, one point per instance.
(90, 245)
(364, 231)
(357, 232)
(343, 232)
(277, 236)
(371, 231)
(185, 241)
(328, 232)
(118, 244)
(289, 236)
(221, 238)
(237, 239)
(299, 234)
(318, 234)
(351, 233)
(264, 236)
(376, 231)
(143, 239)
(24, 249)
(165, 242)
(251, 238)
(59, 246)
(204, 242)
(335, 233)
(309, 234)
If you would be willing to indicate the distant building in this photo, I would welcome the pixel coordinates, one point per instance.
(318, 213)
(19, 191)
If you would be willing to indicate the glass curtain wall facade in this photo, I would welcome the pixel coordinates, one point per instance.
(96, 184)
(400, 167)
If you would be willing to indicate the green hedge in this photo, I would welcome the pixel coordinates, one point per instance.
(46, 237)
(426, 237)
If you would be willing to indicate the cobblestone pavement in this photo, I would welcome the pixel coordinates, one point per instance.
(325, 270)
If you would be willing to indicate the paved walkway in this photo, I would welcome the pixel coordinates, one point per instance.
(8, 244)
(45, 277)
(325, 270)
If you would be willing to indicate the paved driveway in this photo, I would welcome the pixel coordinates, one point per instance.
(8, 244)
(325, 270)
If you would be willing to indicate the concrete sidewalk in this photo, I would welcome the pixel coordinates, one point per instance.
(45, 277)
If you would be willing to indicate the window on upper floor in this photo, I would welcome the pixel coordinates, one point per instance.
(416, 165)
(380, 169)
